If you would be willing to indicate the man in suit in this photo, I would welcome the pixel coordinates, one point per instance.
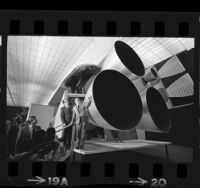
(80, 116)
(11, 136)
(26, 133)
(66, 117)
(8, 124)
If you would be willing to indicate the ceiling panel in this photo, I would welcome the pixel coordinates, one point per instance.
(172, 67)
(182, 87)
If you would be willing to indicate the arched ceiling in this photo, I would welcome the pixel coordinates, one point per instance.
(37, 65)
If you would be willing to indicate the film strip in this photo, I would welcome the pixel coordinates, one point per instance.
(120, 166)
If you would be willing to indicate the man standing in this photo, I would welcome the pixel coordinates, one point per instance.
(80, 115)
(11, 137)
(8, 124)
(66, 117)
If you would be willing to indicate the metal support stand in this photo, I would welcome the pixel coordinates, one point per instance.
(72, 142)
(167, 152)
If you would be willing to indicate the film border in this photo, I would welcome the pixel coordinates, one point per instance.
(82, 23)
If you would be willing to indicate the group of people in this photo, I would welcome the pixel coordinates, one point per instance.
(28, 141)
(75, 117)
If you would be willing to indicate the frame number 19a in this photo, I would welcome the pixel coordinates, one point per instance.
(58, 181)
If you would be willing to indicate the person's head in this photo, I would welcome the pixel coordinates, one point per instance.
(33, 120)
(50, 133)
(81, 99)
(8, 123)
(38, 136)
(77, 101)
(66, 102)
(18, 120)
(51, 123)
(37, 127)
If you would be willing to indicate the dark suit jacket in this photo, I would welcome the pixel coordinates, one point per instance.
(66, 115)
(23, 134)
(11, 138)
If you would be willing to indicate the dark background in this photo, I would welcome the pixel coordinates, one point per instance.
(12, 111)
(182, 118)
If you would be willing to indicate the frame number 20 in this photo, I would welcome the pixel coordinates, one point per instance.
(158, 182)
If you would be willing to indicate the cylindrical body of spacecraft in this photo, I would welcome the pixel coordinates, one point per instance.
(125, 60)
(155, 115)
(164, 94)
(116, 103)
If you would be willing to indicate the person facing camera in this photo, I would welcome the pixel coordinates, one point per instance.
(80, 117)
(66, 117)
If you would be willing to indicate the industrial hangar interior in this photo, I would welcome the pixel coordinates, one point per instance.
(139, 96)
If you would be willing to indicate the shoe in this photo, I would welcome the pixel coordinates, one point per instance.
(81, 147)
